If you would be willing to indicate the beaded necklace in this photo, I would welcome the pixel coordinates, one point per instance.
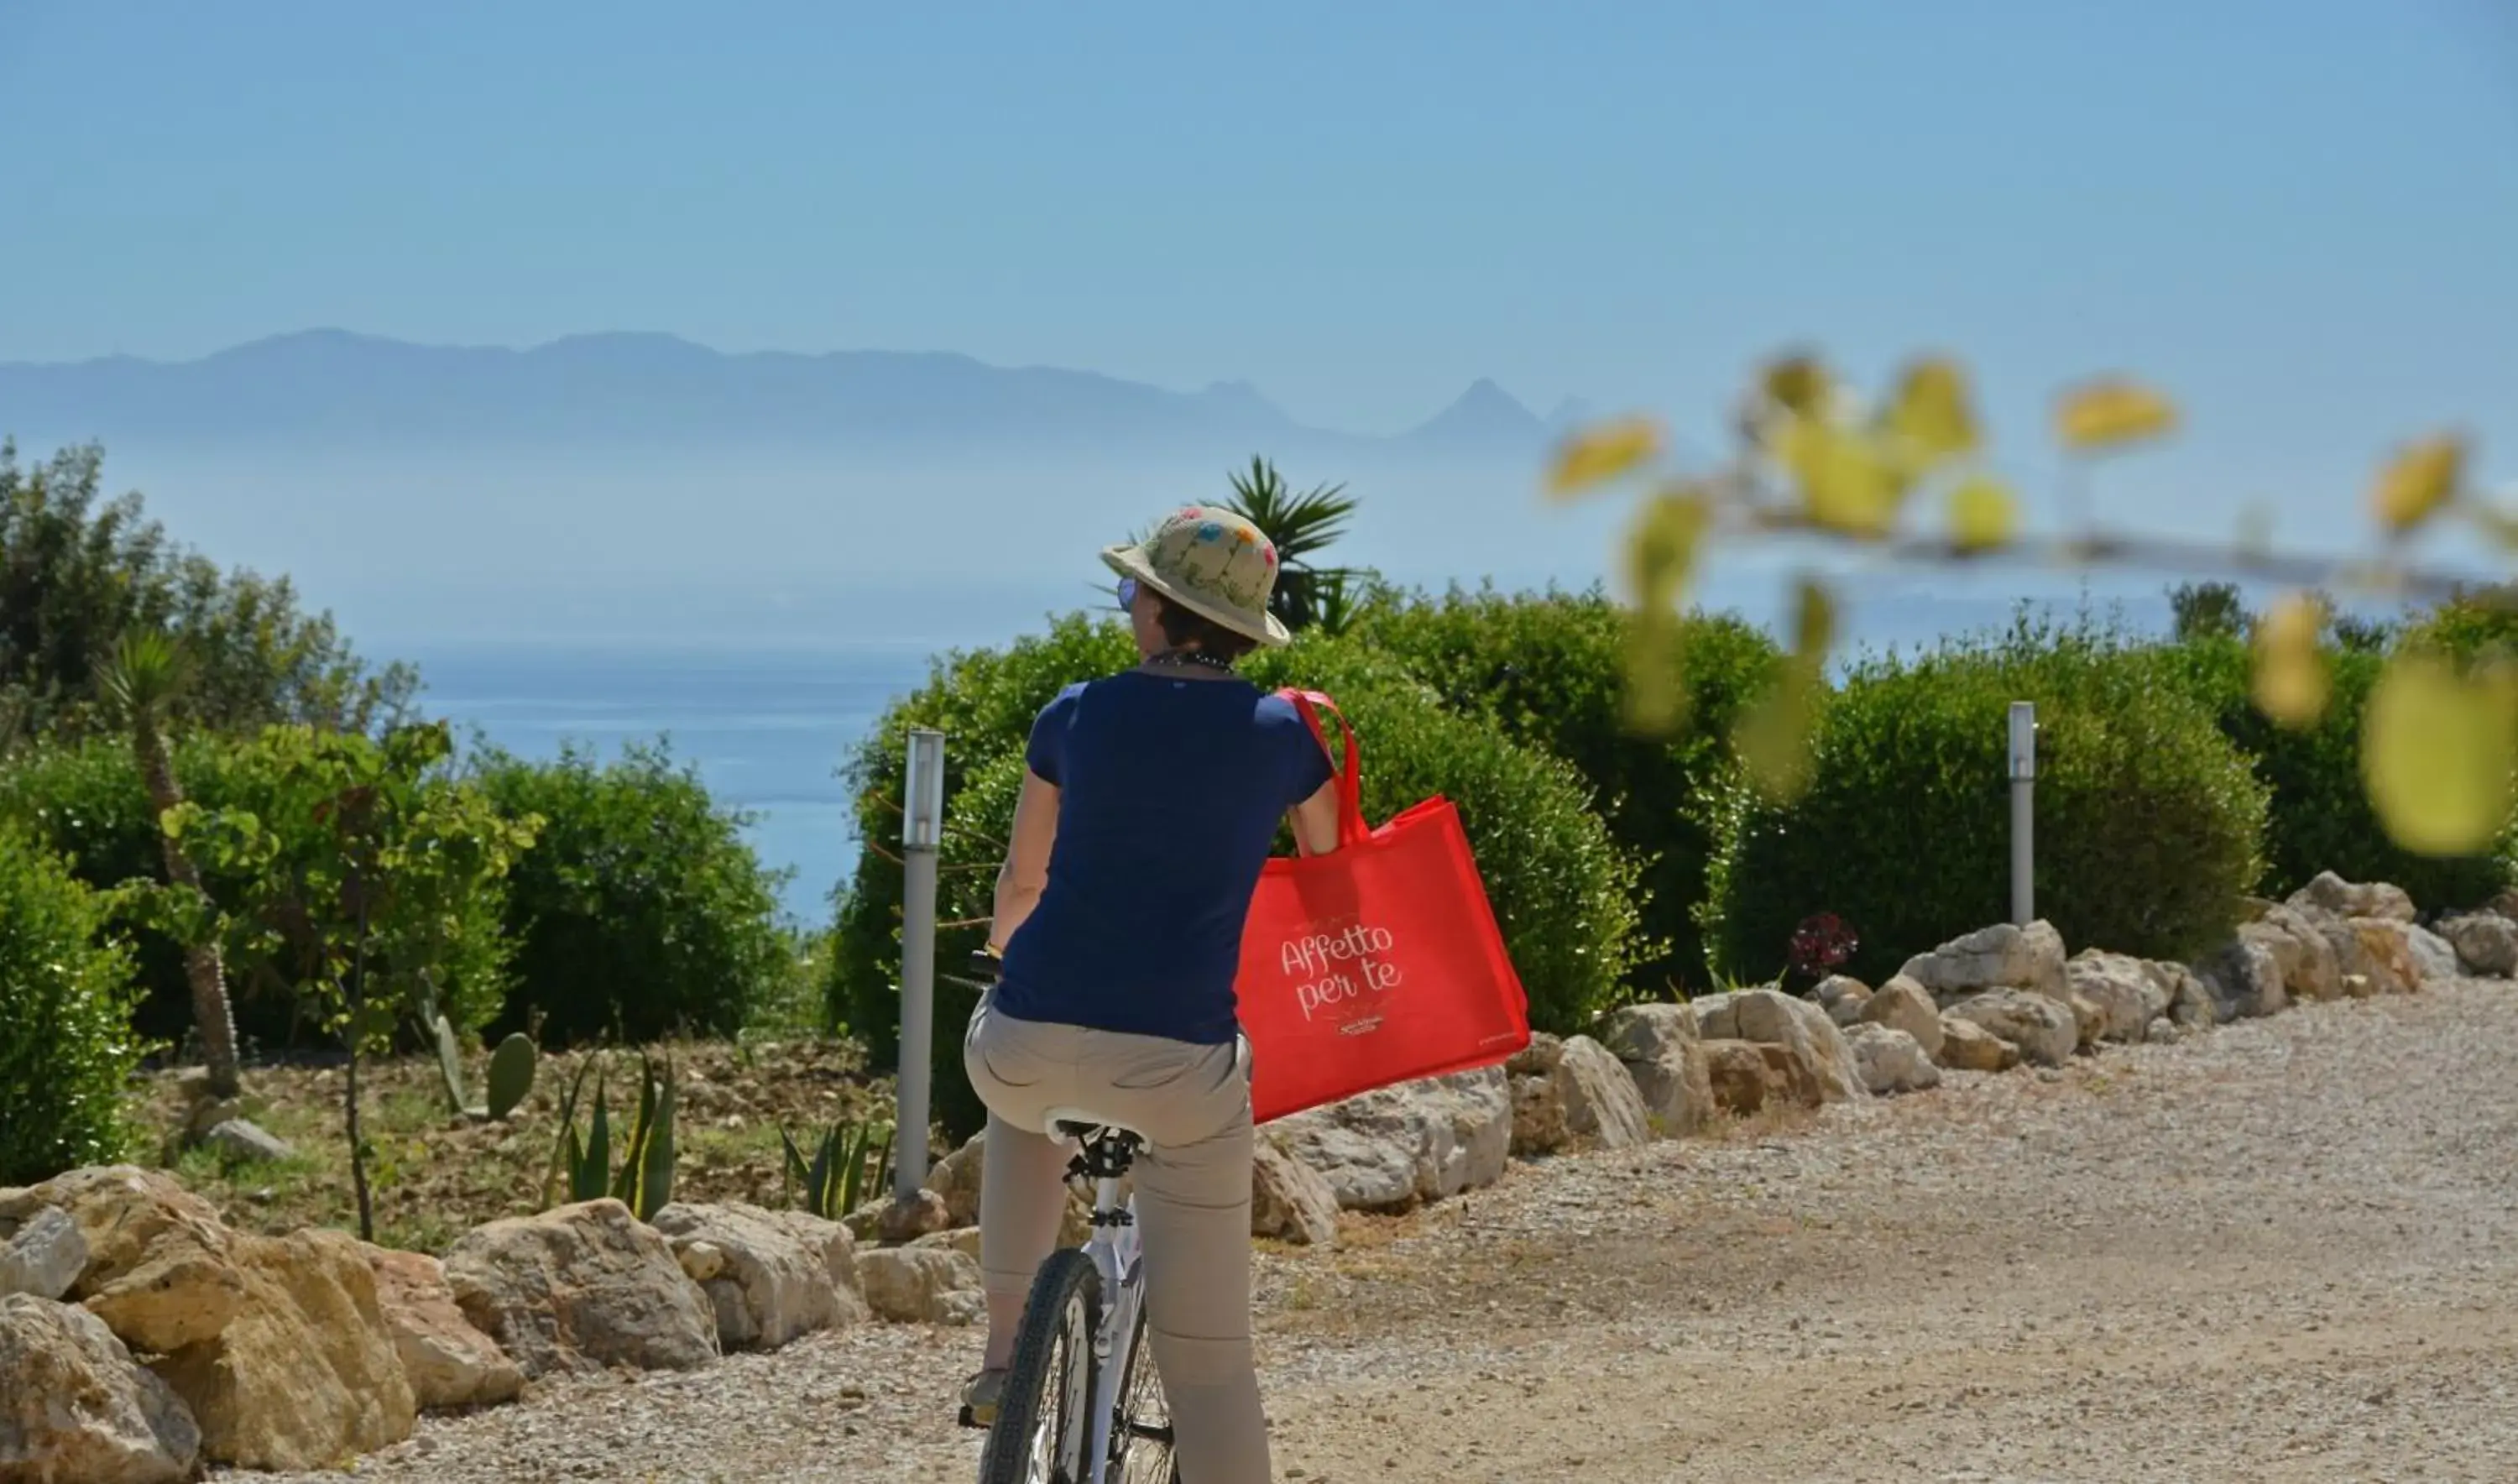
(1178, 658)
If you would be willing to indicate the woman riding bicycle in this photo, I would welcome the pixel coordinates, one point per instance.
(1150, 802)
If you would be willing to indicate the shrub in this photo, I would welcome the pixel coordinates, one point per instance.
(2466, 629)
(640, 910)
(2149, 820)
(1563, 892)
(2321, 818)
(85, 802)
(1549, 669)
(67, 1046)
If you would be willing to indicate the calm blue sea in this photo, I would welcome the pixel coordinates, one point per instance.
(766, 730)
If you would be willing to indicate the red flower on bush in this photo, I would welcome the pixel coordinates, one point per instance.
(1821, 944)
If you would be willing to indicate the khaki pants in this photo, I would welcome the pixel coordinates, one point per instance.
(1193, 1189)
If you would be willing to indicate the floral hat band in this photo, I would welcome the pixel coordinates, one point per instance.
(1212, 562)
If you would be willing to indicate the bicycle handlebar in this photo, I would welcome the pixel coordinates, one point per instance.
(982, 967)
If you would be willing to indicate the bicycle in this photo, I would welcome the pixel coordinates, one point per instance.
(1082, 1404)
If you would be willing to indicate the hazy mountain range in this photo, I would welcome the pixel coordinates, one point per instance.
(641, 487)
(609, 483)
(333, 388)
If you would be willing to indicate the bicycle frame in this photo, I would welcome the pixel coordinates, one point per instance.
(1119, 1257)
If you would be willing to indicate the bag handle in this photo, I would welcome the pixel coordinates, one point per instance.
(1309, 704)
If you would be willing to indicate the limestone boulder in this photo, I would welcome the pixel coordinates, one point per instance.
(1891, 1060)
(1577, 1087)
(2433, 954)
(921, 1212)
(1290, 1200)
(1398, 1147)
(1803, 1031)
(1901, 1004)
(963, 1240)
(580, 1289)
(277, 1345)
(2380, 952)
(2303, 957)
(1841, 996)
(74, 1406)
(778, 1274)
(2191, 1004)
(449, 1364)
(1658, 1047)
(955, 1180)
(246, 1141)
(2005, 956)
(160, 1269)
(2041, 1026)
(2333, 895)
(1537, 1104)
(923, 1285)
(1967, 1046)
(307, 1372)
(2243, 978)
(2123, 992)
(2486, 944)
(1744, 1081)
(44, 1255)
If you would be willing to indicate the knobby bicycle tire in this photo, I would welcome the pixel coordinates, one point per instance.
(1060, 1316)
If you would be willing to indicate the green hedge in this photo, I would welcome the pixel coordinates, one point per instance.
(2321, 818)
(67, 1047)
(86, 803)
(1563, 892)
(639, 911)
(2149, 819)
(1549, 669)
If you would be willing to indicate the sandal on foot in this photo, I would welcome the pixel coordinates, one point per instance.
(979, 1398)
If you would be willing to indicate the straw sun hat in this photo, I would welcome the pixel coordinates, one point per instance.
(1212, 562)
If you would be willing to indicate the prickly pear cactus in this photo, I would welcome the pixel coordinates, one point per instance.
(511, 1074)
(450, 1061)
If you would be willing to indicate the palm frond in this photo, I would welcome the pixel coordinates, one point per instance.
(1302, 526)
(149, 670)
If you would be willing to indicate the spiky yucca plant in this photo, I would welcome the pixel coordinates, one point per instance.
(143, 683)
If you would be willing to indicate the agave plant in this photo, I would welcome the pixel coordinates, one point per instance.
(644, 1180)
(844, 1167)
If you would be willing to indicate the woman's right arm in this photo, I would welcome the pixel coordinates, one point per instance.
(1025, 871)
(1315, 821)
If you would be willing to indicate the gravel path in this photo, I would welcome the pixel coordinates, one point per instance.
(2282, 1252)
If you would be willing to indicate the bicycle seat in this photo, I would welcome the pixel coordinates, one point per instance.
(1080, 1123)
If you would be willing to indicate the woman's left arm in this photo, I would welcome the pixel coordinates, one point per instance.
(1026, 865)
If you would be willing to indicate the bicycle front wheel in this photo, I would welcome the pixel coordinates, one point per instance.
(1047, 1407)
(1141, 1434)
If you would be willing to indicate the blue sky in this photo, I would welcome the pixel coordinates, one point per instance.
(2301, 215)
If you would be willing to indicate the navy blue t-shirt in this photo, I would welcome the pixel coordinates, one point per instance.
(1170, 792)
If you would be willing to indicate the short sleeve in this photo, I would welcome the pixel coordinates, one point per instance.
(1046, 752)
(1307, 766)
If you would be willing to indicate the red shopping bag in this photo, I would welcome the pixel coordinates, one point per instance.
(1377, 963)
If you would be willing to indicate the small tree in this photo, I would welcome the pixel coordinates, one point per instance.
(2208, 611)
(148, 674)
(357, 874)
